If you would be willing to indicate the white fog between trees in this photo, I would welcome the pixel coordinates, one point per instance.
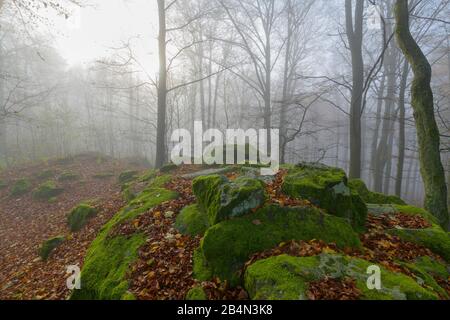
(327, 73)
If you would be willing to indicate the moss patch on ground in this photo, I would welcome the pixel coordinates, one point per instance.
(192, 221)
(109, 257)
(327, 188)
(228, 245)
(68, 176)
(47, 191)
(79, 216)
(49, 245)
(21, 187)
(286, 278)
(373, 197)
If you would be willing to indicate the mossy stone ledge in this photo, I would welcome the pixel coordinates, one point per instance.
(327, 188)
(287, 278)
(228, 245)
(368, 196)
(222, 199)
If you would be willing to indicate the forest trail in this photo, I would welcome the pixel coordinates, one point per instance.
(25, 223)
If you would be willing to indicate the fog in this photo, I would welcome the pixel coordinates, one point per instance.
(83, 76)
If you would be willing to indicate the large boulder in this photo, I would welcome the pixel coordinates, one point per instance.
(228, 245)
(222, 199)
(373, 197)
(327, 188)
(287, 278)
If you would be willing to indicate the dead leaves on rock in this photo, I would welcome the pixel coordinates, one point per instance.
(333, 289)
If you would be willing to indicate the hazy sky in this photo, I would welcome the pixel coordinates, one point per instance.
(91, 31)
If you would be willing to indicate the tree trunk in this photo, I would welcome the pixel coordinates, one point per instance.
(162, 88)
(401, 130)
(431, 167)
(355, 36)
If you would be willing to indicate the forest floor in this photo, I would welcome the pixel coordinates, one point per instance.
(163, 269)
(26, 222)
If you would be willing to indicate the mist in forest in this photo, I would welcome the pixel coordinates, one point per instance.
(119, 76)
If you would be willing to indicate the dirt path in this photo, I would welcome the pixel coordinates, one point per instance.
(25, 223)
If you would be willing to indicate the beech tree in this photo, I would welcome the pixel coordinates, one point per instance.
(431, 167)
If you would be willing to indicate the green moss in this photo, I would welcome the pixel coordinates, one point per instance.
(434, 238)
(192, 221)
(3, 184)
(47, 191)
(68, 176)
(327, 188)
(196, 293)
(109, 257)
(222, 199)
(127, 176)
(46, 174)
(49, 245)
(21, 187)
(286, 278)
(80, 215)
(425, 269)
(228, 245)
(415, 211)
(373, 197)
(148, 175)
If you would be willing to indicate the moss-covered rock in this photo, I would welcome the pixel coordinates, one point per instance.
(196, 293)
(47, 191)
(68, 176)
(49, 245)
(327, 188)
(434, 238)
(286, 278)
(373, 197)
(46, 174)
(426, 271)
(192, 221)
(228, 245)
(222, 199)
(21, 187)
(128, 176)
(79, 216)
(415, 211)
(109, 257)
